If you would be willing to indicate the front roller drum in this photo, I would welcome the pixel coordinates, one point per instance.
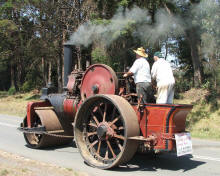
(103, 125)
(48, 119)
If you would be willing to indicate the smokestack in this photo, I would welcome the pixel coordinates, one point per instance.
(68, 53)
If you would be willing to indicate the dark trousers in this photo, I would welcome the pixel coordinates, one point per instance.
(144, 90)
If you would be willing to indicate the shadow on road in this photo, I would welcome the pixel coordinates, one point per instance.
(168, 161)
(146, 162)
(72, 144)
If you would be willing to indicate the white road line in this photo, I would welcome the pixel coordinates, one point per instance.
(206, 158)
(10, 118)
(8, 125)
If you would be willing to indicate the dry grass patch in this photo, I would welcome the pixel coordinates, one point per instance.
(204, 120)
(15, 104)
(14, 165)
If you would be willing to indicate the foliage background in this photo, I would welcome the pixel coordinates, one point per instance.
(33, 33)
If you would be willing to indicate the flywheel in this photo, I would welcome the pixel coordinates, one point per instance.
(99, 79)
(103, 125)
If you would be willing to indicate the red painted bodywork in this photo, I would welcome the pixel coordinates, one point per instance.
(159, 120)
(100, 76)
(70, 107)
(71, 83)
(162, 121)
(31, 113)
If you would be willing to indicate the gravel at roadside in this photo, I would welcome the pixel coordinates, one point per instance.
(14, 165)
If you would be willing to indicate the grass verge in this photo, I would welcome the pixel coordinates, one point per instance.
(203, 121)
(16, 104)
(15, 165)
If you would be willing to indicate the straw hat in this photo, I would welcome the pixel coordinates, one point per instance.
(141, 52)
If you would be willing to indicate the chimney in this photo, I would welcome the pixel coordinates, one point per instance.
(68, 53)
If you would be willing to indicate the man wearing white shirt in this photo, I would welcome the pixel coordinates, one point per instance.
(142, 78)
(162, 72)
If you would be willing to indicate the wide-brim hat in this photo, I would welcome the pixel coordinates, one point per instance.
(141, 52)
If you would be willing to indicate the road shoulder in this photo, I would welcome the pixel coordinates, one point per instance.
(15, 165)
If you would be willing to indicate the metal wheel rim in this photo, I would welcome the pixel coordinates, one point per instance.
(111, 150)
(37, 141)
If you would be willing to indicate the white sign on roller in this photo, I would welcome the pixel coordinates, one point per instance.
(183, 144)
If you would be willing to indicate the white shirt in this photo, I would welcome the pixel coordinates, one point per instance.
(141, 70)
(162, 72)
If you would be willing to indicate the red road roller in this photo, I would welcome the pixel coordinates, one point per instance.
(100, 111)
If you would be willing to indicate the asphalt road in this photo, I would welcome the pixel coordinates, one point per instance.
(205, 160)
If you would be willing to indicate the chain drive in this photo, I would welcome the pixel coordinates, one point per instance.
(49, 134)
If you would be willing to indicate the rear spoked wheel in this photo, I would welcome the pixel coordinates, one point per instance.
(102, 127)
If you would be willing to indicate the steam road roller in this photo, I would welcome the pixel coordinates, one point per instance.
(100, 111)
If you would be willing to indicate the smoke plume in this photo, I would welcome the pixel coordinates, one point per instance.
(89, 32)
(107, 33)
(164, 24)
(205, 14)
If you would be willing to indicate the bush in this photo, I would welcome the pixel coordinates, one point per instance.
(26, 87)
(11, 91)
(181, 86)
(183, 82)
(99, 56)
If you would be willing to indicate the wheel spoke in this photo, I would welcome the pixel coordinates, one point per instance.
(121, 128)
(33, 138)
(93, 144)
(102, 133)
(95, 109)
(115, 120)
(94, 118)
(106, 153)
(99, 146)
(113, 113)
(92, 124)
(91, 133)
(119, 145)
(104, 115)
(114, 127)
(110, 147)
(100, 111)
(119, 137)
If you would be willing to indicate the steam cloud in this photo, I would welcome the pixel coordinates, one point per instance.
(165, 25)
(89, 32)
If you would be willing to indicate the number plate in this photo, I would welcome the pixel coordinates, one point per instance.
(183, 144)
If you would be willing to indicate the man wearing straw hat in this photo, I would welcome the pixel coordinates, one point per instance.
(142, 77)
(162, 72)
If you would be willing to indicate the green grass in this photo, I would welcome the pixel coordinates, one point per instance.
(203, 121)
(24, 170)
(69, 169)
(4, 172)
